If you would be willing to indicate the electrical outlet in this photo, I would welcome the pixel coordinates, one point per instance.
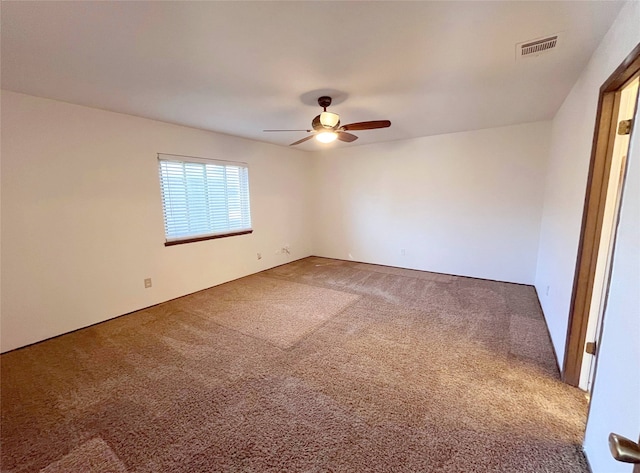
(147, 283)
(259, 255)
(547, 291)
(403, 252)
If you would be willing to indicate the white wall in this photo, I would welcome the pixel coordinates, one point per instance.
(464, 203)
(570, 154)
(82, 217)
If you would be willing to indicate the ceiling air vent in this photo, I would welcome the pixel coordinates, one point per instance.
(536, 47)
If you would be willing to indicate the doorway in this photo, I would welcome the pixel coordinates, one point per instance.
(604, 187)
(627, 100)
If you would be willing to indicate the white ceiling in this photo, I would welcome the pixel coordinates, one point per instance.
(240, 67)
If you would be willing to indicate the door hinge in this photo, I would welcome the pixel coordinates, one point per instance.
(590, 348)
(624, 127)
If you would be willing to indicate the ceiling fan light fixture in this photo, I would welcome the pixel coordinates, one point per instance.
(326, 137)
(326, 127)
(329, 120)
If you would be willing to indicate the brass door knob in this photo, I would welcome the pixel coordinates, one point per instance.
(623, 449)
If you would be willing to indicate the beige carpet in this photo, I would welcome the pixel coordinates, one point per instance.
(315, 366)
(279, 312)
(94, 456)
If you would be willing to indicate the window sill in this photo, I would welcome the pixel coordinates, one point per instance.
(207, 237)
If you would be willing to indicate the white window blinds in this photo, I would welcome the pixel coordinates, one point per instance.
(203, 198)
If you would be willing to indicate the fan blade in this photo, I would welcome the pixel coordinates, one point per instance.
(288, 130)
(302, 140)
(348, 137)
(367, 125)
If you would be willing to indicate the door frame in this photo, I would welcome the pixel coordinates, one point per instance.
(593, 213)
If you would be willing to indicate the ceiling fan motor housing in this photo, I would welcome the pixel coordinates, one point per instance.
(324, 101)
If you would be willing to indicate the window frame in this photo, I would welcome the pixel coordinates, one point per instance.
(171, 241)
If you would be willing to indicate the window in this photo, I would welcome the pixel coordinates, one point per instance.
(203, 199)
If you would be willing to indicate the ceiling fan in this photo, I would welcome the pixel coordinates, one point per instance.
(326, 126)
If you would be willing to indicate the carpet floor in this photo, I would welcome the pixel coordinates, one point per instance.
(315, 366)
